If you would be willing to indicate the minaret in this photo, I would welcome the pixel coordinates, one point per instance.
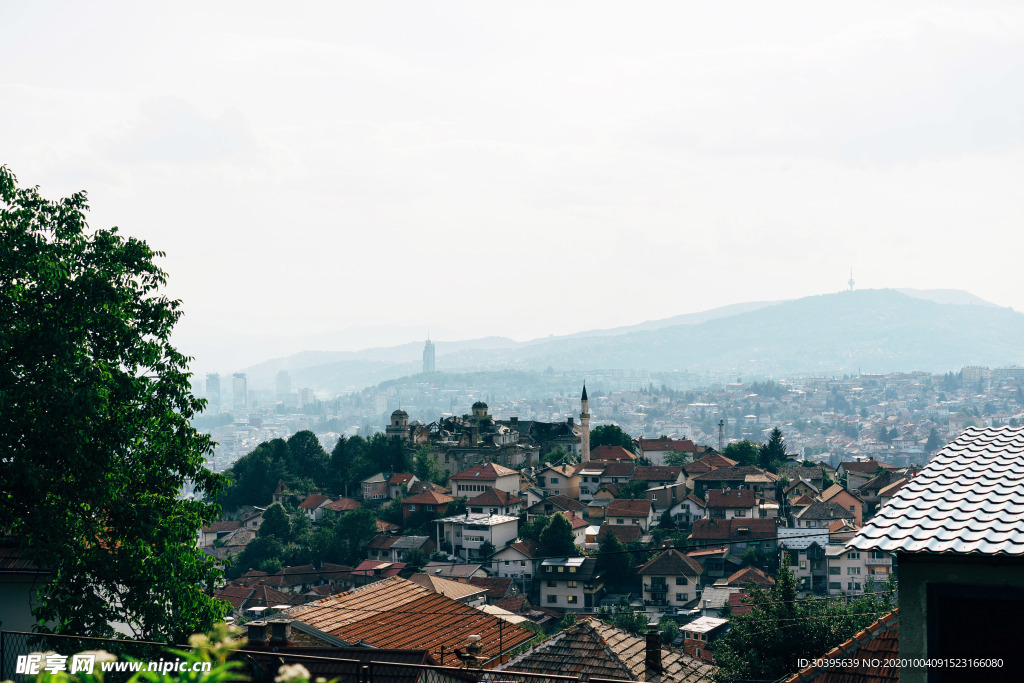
(584, 426)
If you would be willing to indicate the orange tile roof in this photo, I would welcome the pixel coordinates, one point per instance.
(486, 472)
(629, 508)
(611, 453)
(428, 498)
(395, 613)
(879, 641)
(314, 501)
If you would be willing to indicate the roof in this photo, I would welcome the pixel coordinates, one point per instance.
(451, 569)
(611, 453)
(560, 501)
(879, 642)
(343, 505)
(671, 563)
(576, 521)
(624, 533)
(625, 507)
(384, 527)
(338, 663)
(494, 497)
(750, 575)
(737, 528)
(863, 466)
(530, 549)
(400, 478)
(891, 489)
(496, 611)
(293, 576)
(657, 473)
(834, 490)
(803, 501)
(479, 518)
(968, 500)
(599, 650)
(735, 474)
(428, 498)
(485, 472)
(456, 590)
(220, 527)
(684, 445)
(796, 482)
(314, 501)
(618, 469)
(824, 511)
(378, 568)
(395, 613)
(496, 587)
(716, 597)
(705, 624)
(740, 498)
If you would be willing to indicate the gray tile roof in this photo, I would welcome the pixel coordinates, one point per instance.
(968, 500)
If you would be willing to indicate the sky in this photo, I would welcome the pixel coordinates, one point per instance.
(337, 175)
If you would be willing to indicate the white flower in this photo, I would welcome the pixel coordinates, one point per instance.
(292, 672)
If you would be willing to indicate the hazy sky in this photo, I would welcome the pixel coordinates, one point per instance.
(523, 169)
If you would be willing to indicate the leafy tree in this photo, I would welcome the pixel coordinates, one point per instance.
(677, 458)
(614, 559)
(557, 538)
(426, 466)
(633, 490)
(611, 435)
(624, 616)
(666, 521)
(772, 455)
(554, 455)
(669, 629)
(415, 559)
(743, 452)
(96, 444)
(345, 542)
(754, 557)
(487, 549)
(307, 458)
(531, 531)
(935, 442)
(276, 524)
(387, 455)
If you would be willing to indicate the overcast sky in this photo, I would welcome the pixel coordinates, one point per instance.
(523, 169)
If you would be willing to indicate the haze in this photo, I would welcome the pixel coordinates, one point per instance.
(339, 175)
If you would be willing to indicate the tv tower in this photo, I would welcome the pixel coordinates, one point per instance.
(851, 280)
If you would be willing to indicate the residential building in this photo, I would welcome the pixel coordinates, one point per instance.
(314, 505)
(688, 511)
(670, 580)
(627, 511)
(850, 501)
(553, 504)
(519, 560)
(429, 502)
(460, 591)
(375, 487)
(400, 483)
(465, 535)
(570, 583)
(656, 450)
(396, 548)
(560, 480)
(727, 504)
(477, 479)
(495, 502)
(699, 634)
(820, 515)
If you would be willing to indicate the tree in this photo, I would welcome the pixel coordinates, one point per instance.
(677, 458)
(557, 538)
(307, 458)
(611, 435)
(934, 442)
(669, 629)
(772, 455)
(743, 452)
(426, 466)
(614, 559)
(415, 559)
(487, 549)
(276, 524)
(96, 446)
(633, 490)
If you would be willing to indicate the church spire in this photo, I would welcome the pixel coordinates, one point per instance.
(584, 396)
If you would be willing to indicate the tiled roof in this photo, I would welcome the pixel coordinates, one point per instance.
(398, 479)
(343, 505)
(750, 575)
(714, 460)
(740, 498)
(456, 590)
(385, 527)
(251, 577)
(796, 482)
(879, 482)
(671, 563)
(834, 490)
(428, 498)
(235, 595)
(496, 587)
(381, 542)
(657, 473)
(561, 502)
(716, 597)
(611, 453)
(378, 568)
(408, 542)
(451, 569)
(683, 446)
(486, 472)
(576, 521)
(314, 501)
(968, 500)
(734, 474)
(737, 529)
(601, 651)
(739, 604)
(879, 641)
(529, 548)
(618, 469)
(624, 533)
(625, 507)
(494, 497)
(218, 527)
(421, 486)
(293, 576)
(395, 613)
(824, 511)
(803, 501)
(892, 488)
(862, 466)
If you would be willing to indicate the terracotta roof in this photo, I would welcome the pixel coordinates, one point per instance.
(292, 576)
(625, 507)
(529, 548)
(657, 473)
(329, 570)
(343, 505)
(384, 527)
(381, 542)
(314, 501)
(879, 641)
(879, 482)
(824, 511)
(395, 613)
(864, 466)
(740, 498)
(496, 587)
(750, 575)
(266, 596)
(671, 563)
(494, 497)
(218, 527)
(399, 478)
(456, 590)
(968, 499)
(803, 501)
(735, 474)
(602, 651)
(428, 498)
(891, 489)
(738, 603)
(421, 486)
(625, 533)
(684, 445)
(251, 577)
(563, 502)
(618, 469)
(485, 472)
(233, 594)
(611, 453)
(796, 482)
(737, 529)
(576, 521)
(714, 460)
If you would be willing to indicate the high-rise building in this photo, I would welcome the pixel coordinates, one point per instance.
(213, 392)
(239, 395)
(428, 356)
(284, 384)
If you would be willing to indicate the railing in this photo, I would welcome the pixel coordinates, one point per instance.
(878, 561)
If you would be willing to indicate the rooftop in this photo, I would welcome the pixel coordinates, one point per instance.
(879, 641)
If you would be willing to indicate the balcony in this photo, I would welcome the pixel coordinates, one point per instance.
(655, 588)
(878, 561)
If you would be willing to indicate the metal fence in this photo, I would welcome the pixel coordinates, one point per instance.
(262, 666)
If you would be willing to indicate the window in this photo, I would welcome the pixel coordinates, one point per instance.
(835, 586)
(803, 564)
(852, 571)
(552, 583)
(741, 513)
(506, 563)
(571, 599)
(572, 584)
(877, 555)
(853, 556)
(682, 597)
(619, 521)
(552, 598)
(835, 570)
(561, 569)
(554, 480)
(572, 570)
(851, 509)
(682, 581)
(412, 508)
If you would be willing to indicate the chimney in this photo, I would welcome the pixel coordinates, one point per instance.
(257, 632)
(652, 658)
(513, 421)
(569, 421)
(280, 631)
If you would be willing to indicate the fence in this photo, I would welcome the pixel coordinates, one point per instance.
(262, 665)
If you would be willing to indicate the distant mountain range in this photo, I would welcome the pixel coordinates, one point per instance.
(864, 330)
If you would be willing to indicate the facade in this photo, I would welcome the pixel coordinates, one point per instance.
(559, 480)
(213, 398)
(239, 391)
(466, 534)
(570, 583)
(518, 561)
(670, 580)
(625, 511)
(375, 487)
(475, 480)
(428, 357)
(700, 633)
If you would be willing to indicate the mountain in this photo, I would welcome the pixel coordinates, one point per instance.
(847, 332)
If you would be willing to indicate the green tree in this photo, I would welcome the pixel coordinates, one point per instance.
(307, 458)
(772, 455)
(276, 524)
(531, 530)
(633, 490)
(677, 458)
(669, 629)
(96, 445)
(415, 559)
(487, 549)
(611, 435)
(557, 538)
(426, 466)
(935, 442)
(614, 559)
(743, 452)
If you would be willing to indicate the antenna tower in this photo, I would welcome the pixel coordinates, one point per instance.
(851, 279)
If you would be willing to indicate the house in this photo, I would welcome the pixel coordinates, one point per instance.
(495, 502)
(594, 650)
(667, 496)
(870, 490)
(658, 476)
(750, 575)
(703, 465)
(570, 583)
(714, 600)
(590, 479)
(372, 571)
(282, 493)
(400, 484)
(519, 560)
(553, 504)
(476, 480)
(217, 530)
(466, 535)
(718, 563)
(313, 506)
(850, 571)
(740, 533)
(879, 642)
(656, 450)
(559, 480)
(395, 548)
(375, 487)
(395, 613)
(626, 511)
(955, 530)
(611, 453)
(761, 482)
(700, 633)
(727, 504)
(886, 494)
(252, 518)
(629, 535)
(860, 472)
(496, 588)
(820, 515)
(341, 506)
(670, 580)
(851, 501)
(688, 510)
(429, 502)
(455, 570)
(809, 567)
(799, 487)
(579, 527)
(294, 580)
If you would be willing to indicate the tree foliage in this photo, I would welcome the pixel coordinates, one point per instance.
(96, 447)
(743, 452)
(557, 538)
(772, 455)
(611, 435)
(779, 630)
(615, 560)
